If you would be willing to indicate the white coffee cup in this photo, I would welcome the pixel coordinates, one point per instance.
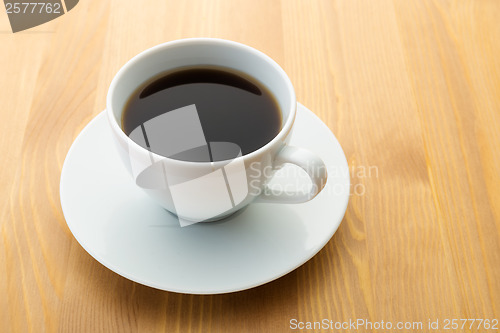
(207, 191)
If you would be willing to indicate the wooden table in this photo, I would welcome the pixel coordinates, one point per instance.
(411, 89)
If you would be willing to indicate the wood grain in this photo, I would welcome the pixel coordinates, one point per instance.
(410, 88)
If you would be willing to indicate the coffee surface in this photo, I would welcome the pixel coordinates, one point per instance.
(168, 112)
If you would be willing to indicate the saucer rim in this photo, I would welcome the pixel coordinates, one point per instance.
(313, 251)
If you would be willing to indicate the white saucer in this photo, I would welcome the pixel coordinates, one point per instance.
(124, 230)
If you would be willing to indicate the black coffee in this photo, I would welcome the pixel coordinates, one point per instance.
(178, 113)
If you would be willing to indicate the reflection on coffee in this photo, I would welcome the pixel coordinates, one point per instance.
(179, 114)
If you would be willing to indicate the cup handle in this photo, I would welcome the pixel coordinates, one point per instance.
(310, 163)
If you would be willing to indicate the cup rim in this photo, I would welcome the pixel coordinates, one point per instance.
(203, 40)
